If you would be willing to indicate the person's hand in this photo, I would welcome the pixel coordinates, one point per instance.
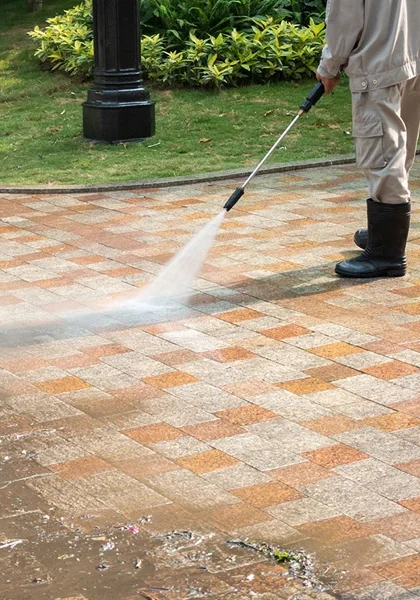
(329, 82)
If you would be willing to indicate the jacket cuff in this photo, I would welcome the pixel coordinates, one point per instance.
(330, 65)
(329, 69)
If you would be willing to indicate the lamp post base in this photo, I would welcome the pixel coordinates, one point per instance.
(118, 115)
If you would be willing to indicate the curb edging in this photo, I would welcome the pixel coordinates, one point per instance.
(177, 181)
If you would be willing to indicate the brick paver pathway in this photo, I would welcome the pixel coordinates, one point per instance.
(284, 405)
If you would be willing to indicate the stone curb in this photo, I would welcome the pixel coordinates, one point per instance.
(177, 181)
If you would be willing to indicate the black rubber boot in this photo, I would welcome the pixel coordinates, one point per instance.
(384, 256)
(361, 238)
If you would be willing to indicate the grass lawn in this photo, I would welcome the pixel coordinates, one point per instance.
(41, 138)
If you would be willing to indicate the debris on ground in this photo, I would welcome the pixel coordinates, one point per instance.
(302, 566)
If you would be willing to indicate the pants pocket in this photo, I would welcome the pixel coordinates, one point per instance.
(369, 142)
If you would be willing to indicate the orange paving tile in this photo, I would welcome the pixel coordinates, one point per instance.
(412, 503)
(408, 565)
(228, 354)
(399, 527)
(412, 407)
(334, 456)
(63, 384)
(301, 474)
(332, 373)
(336, 530)
(306, 386)
(267, 494)
(105, 350)
(391, 370)
(211, 460)
(285, 331)
(245, 415)
(150, 434)
(413, 468)
(336, 350)
(169, 380)
(23, 364)
(239, 315)
(332, 425)
(81, 468)
(391, 422)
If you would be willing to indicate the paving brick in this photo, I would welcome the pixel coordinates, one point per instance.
(300, 474)
(304, 510)
(191, 491)
(246, 415)
(211, 460)
(380, 445)
(137, 497)
(170, 380)
(334, 456)
(262, 454)
(234, 517)
(80, 468)
(150, 434)
(212, 430)
(403, 527)
(237, 476)
(352, 499)
(336, 530)
(267, 494)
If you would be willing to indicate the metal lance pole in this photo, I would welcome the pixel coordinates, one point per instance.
(118, 106)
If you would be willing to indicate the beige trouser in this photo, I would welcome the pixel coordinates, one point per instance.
(386, 125)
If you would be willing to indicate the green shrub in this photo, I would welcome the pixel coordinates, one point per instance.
(175, 18)
(271, 51)
(302, 11)
(67, 42)
(267, 49)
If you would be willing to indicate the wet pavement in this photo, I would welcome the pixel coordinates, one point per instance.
(282, 406)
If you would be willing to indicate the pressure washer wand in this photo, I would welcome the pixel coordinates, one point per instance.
(313, 97)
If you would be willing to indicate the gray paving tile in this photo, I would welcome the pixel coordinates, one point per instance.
(378, 444)
(257, 452)
(191, 491)
(378, 390)
(184, 446)
(240, 475)
(304, 510)
(351, 499)
(292, 436)
(366, 471)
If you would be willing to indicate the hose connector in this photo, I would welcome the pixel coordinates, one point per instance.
(316, 94)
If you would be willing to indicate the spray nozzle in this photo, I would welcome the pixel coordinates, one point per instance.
(235, 197)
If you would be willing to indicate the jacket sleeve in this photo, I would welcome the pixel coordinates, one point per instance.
(345, 21)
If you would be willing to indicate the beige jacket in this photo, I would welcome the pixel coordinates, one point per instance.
(377, 42)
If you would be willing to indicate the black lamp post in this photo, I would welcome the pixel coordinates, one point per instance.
(118, 107)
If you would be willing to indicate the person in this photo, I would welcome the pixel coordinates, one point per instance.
(377, 44)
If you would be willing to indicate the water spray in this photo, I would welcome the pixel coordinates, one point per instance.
(313, 97)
